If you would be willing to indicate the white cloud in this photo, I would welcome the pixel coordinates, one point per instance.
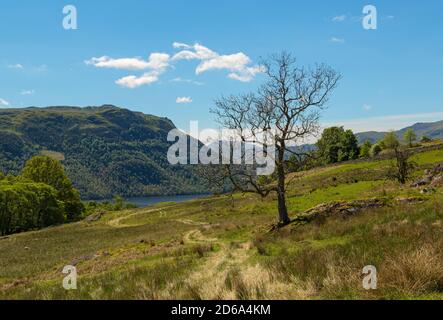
(41, 68)
(238, 63)
(124, 63)
(16, 66)
(179, 79)
(134, 81)
(183, 100)
(179, 45)
(27, 92)
(3, 103)
(367, 107)
(231, 62)
(337, 40)
(247, 74)
(156, 61)
(340, 18)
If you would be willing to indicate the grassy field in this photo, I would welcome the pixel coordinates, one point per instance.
(220, 247)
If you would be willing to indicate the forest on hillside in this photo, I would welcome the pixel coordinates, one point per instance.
(106, 150)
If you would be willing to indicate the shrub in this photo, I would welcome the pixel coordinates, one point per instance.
(26, 205)
(375, 150)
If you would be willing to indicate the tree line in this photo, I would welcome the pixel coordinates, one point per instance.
(40, 196)
(337, 144)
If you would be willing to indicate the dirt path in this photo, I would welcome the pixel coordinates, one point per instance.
(117, 222)
(229, 273)
(224, 274)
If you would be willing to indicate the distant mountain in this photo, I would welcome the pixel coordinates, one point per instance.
(433, 130)
(106, 150)
(371, 136)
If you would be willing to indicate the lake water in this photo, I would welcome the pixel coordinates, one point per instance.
(148, 201)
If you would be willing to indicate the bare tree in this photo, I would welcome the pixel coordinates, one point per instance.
(289, 103)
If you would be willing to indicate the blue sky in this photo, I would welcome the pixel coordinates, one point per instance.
(391, 76)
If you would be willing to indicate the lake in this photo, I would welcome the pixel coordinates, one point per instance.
(148, 201)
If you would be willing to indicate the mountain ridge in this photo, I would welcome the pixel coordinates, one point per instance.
(106, 150)
(433, 130)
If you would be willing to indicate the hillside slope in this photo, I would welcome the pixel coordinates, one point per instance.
(346, 216)
(106, 150)
(433, 130)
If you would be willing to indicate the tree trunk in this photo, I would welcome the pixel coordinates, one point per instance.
(282, 210)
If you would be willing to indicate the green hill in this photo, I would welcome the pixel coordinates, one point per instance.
(433, 130)
(106, 150)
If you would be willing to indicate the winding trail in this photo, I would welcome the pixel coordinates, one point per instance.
(117, 222)
(225, 273)
(209, 279)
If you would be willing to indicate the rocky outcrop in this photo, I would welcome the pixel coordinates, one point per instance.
(432, 179)
(347, 208)
(343, 208)
(422, 182)
(95, 216)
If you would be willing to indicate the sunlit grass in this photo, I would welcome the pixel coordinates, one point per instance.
(219, 247)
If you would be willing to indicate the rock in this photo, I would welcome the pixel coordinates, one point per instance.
(409, 199)
(438, 169)
(94, 217)
(422, 182)
(343, 207)
(437, 181)
(83, 258)
(428, 191)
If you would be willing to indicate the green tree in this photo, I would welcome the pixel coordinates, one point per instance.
(410, 137)
(118, 203)
(365, 149)
(390, 141)
(426, 139)
(49, 171)
(401, 169)
(26, 205)
(375, 150)
(337, 144)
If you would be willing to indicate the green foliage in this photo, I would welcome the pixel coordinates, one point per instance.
(402, 168)
(426, 139)
(365, 149)
(117, 204)
(390, 141)
(410, 137)
(336, 145)
(46, 170)
(375, 150)
(26, 205)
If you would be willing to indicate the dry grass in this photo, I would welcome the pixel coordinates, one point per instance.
(209, 249)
